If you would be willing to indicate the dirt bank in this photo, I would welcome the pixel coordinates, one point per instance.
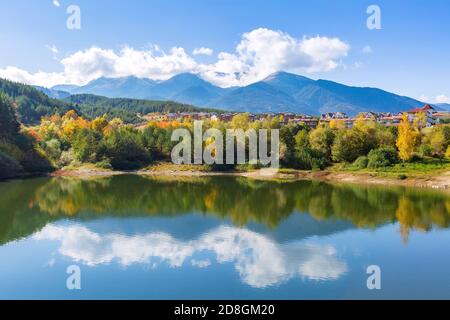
(438, 181)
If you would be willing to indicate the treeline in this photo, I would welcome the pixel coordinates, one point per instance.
(72, 140)
(31, 104)
(366, 145)
(19, 154)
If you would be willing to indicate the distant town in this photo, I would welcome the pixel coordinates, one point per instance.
(432, 116)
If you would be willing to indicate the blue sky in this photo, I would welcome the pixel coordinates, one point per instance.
(318, 39)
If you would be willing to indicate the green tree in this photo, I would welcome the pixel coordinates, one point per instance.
(87, 145)
(9, 126)
(321, 139)
(383, 157)
(349, 145)
(125, 149)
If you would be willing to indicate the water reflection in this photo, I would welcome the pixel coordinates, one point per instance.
(27, 206)
(237, 233)
(259, 261)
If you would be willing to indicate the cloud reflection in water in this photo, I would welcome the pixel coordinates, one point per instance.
(259, 260)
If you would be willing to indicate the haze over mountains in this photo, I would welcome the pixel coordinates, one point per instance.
(280, 92)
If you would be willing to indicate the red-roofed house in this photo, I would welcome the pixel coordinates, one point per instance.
(429, 112)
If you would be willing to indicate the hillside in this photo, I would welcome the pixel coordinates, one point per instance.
(127, 87)
(18, 153)
(53, 93)
(288, 92)
(32, 104)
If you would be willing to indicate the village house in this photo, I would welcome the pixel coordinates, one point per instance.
(384, 118)
(309, 121)
(333, 115)
(429, 113)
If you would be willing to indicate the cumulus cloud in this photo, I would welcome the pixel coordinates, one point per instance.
(260, 261)
(442, 98)
(86, 65)
(38, 78)
(260, 53)
(203, 51)
(56, 3)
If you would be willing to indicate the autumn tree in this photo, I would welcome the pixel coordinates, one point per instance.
(407, 139)
(438, 139)
(420, 120)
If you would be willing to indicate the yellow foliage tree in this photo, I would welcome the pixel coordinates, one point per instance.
(71, 114)
(240, 121)
(336, 124)
(99, 124)
(420, 120)
(407, 139)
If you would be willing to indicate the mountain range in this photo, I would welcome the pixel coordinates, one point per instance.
(280, 92)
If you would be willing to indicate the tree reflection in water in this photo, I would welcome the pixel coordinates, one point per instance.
(28, 205)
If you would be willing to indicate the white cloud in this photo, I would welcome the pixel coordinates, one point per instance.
(367, 49)
(38, 78)
(260, 261)
(84, 66)
(442, 98)
(200, 263)
(203, 51)
(56, 3)
(52, 48)
(260, 53)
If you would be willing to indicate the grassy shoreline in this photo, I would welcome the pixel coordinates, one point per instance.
(410, 176)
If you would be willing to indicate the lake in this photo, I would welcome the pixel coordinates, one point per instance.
(221, 238)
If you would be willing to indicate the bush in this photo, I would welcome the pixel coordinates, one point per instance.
(67, 158)
(53, 149)
(361, 162)
(104, 164)
(416, 158)
(447, 153)
(9, 167)
(425, 150)
(308, 159)
(382, 157)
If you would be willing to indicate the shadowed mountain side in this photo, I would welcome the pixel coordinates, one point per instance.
(280, 92)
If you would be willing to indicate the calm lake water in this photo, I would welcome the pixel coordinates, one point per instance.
(221, 237)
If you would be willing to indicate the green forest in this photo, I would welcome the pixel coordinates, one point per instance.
(31, 105)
